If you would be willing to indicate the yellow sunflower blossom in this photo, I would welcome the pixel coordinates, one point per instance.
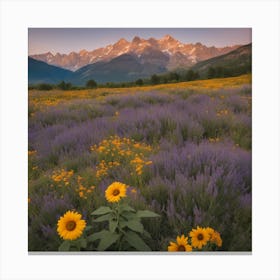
(70, 226)
(200, 237)
(115, 192)
(180, 245)
(210, 231)
(216, 238)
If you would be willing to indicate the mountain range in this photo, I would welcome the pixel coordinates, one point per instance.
(171, 53)
(122, 61)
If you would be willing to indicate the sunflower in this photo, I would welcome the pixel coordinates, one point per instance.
(115, 192)
(200, 237)
(216, 238)
(210, 231)
(181, 245)
(70, 226)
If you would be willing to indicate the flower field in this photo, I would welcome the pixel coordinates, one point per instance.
(160, 168)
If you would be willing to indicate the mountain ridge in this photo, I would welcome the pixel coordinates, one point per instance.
(238, 61)
(189, 53)
(124, 68)
(129, 67)
(41, 72)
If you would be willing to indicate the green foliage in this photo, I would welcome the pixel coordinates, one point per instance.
(91, 84)
(146, 214)
(102, 210)
(155, 79)
(136, 241)
(73, 245)
(191, 75)
(211, 73)
(125, 228)
(44, 87)
(242, 136)
(108, 238)
(65, 246)
(173, 77)
(64, 86)
(139, 82)
(227, 71)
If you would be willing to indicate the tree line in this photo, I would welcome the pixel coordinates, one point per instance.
(170, 77)
(224, 72)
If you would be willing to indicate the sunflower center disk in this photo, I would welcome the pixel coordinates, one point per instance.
(200, 236)
(71, 225)
(116, 192)
(181, 248)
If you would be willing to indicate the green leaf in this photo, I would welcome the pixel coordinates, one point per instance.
(126, 246)
(127, 208)
(146, 234)
(128, 215)
(102, 210)
(102, 218)
(122, 223)
(74, 248)
(97, 235)
(113, 225)
(146, 214)
(88, 228)
(65, 246)
(107, 240)
(136, 241)
(135, 225)
(83, 243)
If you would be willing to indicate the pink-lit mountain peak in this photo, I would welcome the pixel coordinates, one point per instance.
(168, 38)
(178, 53)
(121, 42)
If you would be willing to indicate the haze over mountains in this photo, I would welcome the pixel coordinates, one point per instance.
(122, 61)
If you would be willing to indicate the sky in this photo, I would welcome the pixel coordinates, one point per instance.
(66, 40)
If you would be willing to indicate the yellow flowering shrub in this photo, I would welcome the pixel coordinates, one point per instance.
(116, 151)
(62, 176)
(222, 113)
(82, 190)
(214, 140)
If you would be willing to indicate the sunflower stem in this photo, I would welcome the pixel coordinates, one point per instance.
(118, 225)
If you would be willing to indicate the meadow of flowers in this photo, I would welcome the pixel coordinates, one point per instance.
(160, 168)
